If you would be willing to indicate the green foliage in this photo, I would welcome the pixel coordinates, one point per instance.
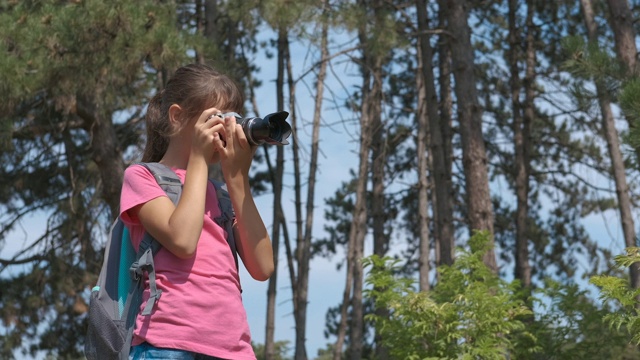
(629, 99)
(594, 62)
(470, 314)
(591, 61)
(569, 325)
(630, 104)
(282, 348)
(617, 291)
(473, 314)
(326, 353)
(90, 47)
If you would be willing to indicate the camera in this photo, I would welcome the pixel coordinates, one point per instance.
(272, 129)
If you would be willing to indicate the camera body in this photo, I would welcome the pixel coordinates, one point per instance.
(272, 129)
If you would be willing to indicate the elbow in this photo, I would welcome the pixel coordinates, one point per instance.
(264, 273)
(262, 277)
(182, 248)
(184, 254)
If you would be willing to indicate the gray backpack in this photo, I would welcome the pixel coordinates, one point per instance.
(117, 297)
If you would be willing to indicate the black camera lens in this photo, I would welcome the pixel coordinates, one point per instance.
(272, 129)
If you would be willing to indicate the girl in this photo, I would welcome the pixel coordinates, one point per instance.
(200, 314)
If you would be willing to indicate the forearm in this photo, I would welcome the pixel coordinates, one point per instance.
(254, 244)
(187, 219)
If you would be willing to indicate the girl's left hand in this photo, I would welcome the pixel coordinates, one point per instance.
(235, 151)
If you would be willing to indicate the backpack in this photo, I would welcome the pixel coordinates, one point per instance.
(117, 296)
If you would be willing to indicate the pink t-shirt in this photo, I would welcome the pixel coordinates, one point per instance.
(201, 308)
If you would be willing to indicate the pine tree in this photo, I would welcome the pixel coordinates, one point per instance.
(75, 78)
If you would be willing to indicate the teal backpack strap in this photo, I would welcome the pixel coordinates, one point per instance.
(227, 215)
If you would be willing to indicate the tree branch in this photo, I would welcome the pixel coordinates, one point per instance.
(29, 132)
(6, 263)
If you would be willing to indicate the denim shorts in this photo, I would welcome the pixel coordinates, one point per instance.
(146, 351)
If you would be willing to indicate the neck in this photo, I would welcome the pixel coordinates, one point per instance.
(177, 155)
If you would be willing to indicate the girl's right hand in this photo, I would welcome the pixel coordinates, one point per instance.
(207, 129)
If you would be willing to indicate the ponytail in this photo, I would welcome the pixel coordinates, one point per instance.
(157, 130)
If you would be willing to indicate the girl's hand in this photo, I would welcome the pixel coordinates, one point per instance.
(235, 151)
(209, 130)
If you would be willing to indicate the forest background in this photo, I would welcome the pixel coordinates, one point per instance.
(416, 125)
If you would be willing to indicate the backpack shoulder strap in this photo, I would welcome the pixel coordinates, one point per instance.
(224, 200)
(149, 247)
(166, 178)
(172, 186)
(227, 215)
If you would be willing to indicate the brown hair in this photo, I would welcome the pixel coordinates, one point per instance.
(194, 87)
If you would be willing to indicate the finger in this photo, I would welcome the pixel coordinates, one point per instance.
(218, 142)
(230, 128)
(213, 125)
(212, 122)
(242, 137)
(223, 138)
(209, 114)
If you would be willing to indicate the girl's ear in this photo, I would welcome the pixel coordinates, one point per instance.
(175, 114)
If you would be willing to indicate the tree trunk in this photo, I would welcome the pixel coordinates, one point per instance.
(524, 167)
(521, 136)
(358, 227)
(356, 237)
(442, 181)
(378, 216)
(278, 215)
(371, 135)
(474, 157)
(200, 15)
(423, 185)
(346, 300)
(305, 245)
(378, 159)
(272, 286)
(269, 343)
(613, 145)
(303, 248)
(621, 20)
(446, 129)
(105, 151)
(210, 16)
(378, 141)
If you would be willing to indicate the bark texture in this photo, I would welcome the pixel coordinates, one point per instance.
(437, 148)
(474, 157)
(609, 129)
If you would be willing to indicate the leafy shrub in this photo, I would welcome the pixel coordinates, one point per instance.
(616, 292)
(569, 326)
(470, 314)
